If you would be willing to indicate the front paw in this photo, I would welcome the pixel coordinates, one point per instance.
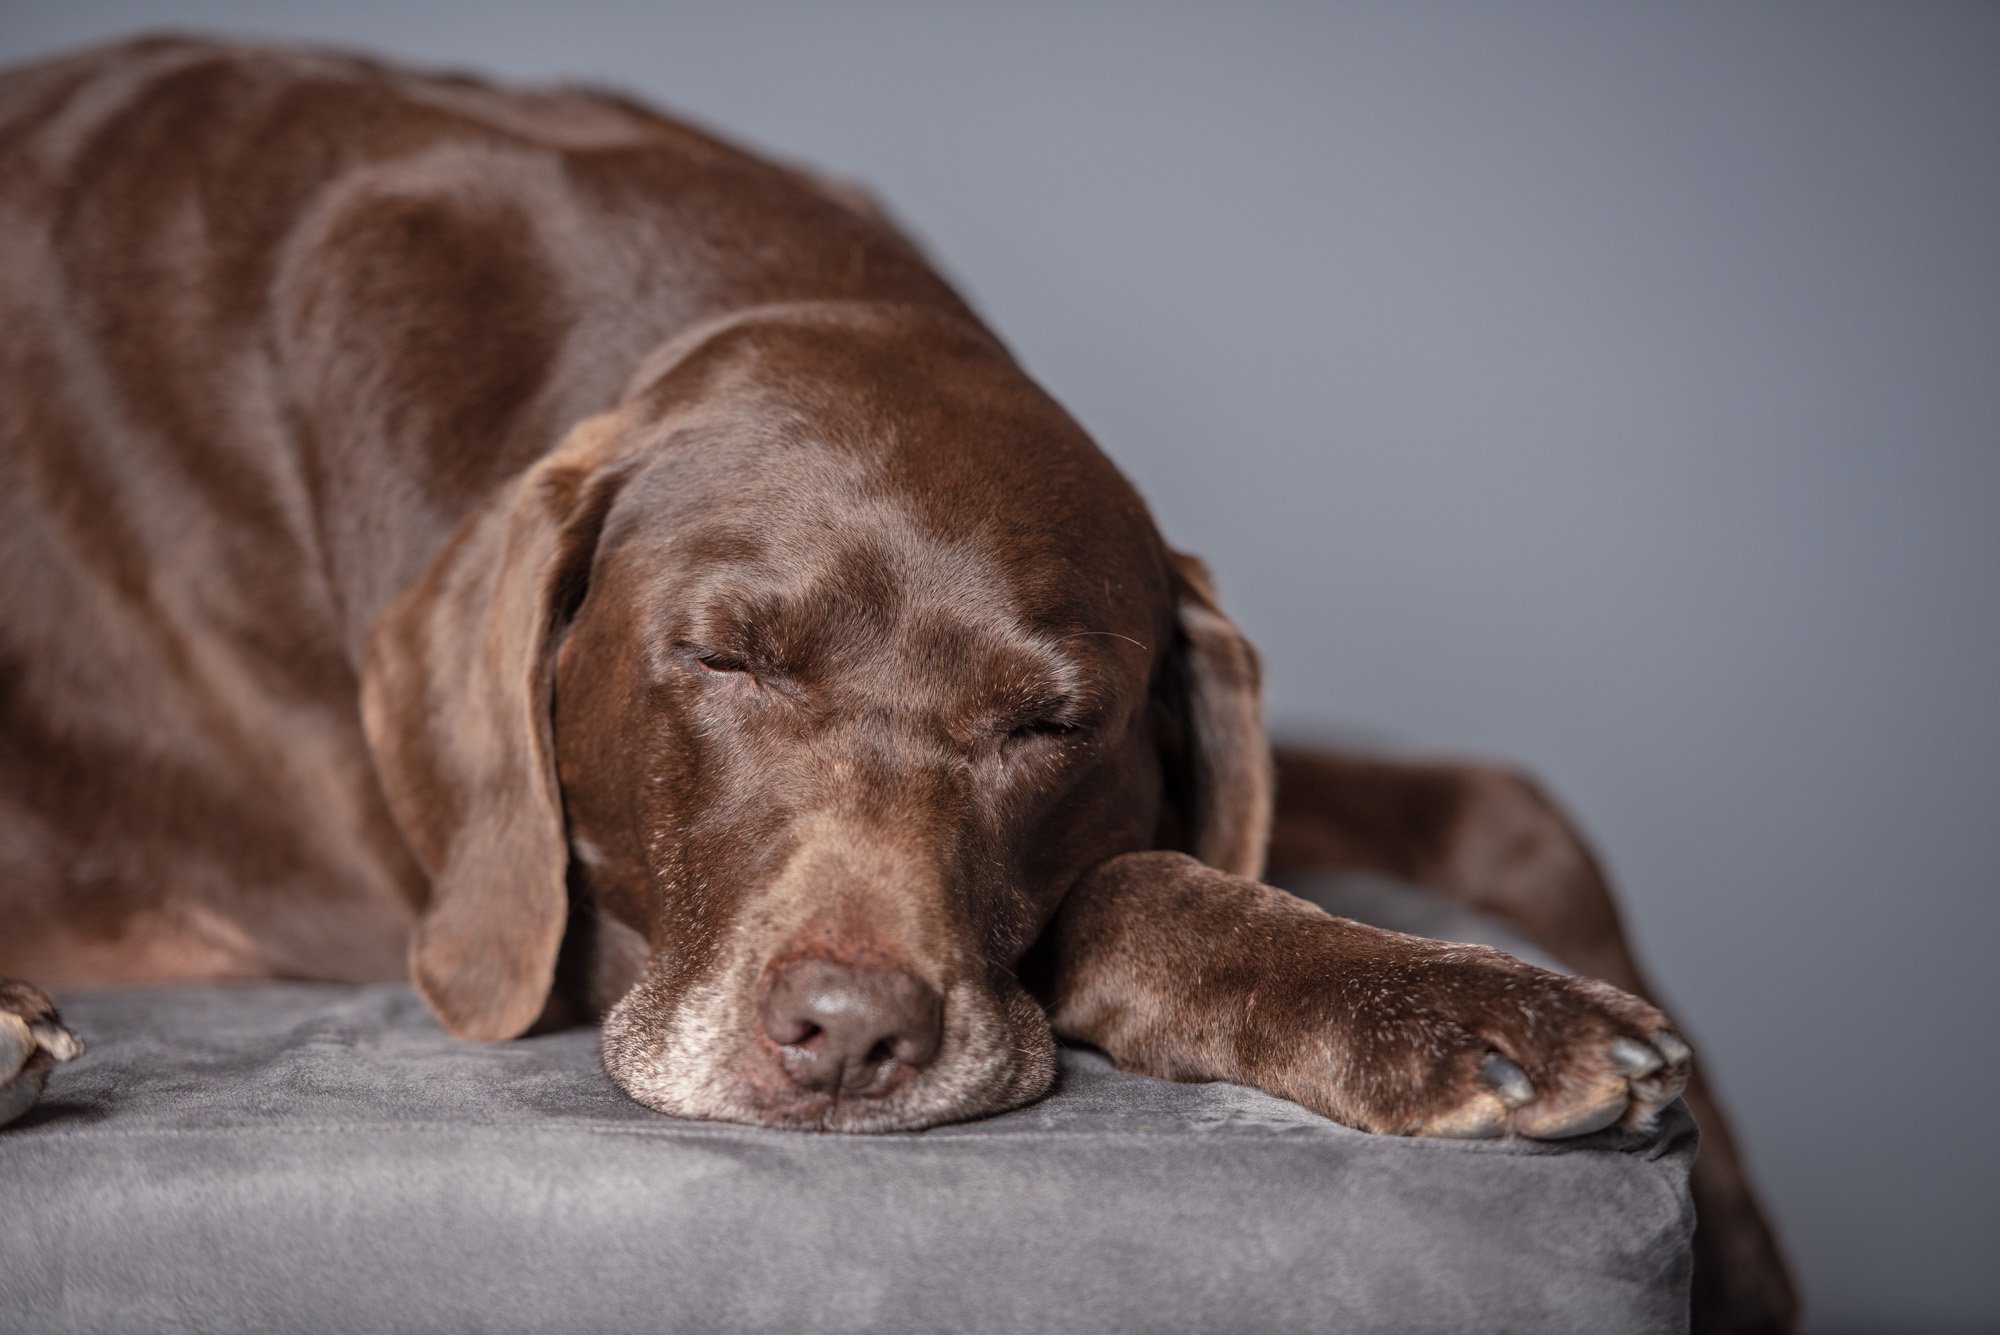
(32, 1040)
(1448, 1040)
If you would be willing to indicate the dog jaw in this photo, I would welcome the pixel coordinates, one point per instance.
(695, 1051)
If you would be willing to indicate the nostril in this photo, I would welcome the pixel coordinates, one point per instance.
(901, 1048)
(791, 1030)
(917, 1042)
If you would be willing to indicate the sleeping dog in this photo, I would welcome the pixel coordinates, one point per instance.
(518, 542)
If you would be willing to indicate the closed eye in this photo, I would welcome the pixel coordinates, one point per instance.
(740, 675)
(1042, 727)
(714, 660)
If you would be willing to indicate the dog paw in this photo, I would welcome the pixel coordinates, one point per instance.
(1464, 1041)
(32, 1040)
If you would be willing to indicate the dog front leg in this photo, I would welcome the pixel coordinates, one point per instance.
(1177, 970)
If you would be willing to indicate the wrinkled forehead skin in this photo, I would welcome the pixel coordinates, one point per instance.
(938, 611)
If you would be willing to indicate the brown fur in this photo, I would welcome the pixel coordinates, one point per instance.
(519, 540)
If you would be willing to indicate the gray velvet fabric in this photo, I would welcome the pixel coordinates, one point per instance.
(303, 1157)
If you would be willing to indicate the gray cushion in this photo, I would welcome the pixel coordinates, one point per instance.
(304, 1157)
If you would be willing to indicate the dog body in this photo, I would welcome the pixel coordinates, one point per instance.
(277, 324)
(519, 542)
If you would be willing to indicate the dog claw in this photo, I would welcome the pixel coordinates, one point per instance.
(1671, 1046)
(1509, 1081)
(57, 1041)
(1635, 1059)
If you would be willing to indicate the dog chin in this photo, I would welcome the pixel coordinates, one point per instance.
(997, 1054)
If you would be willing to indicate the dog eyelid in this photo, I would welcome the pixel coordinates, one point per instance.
(714, 660)
(1043, 727)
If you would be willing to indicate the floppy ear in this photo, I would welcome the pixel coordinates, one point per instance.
(455, 699)
(1220, 776)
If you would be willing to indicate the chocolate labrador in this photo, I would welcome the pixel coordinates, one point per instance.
(518, 542)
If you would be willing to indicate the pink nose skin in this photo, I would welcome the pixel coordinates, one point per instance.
(855, 1032)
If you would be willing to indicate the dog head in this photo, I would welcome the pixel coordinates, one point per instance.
(822, 667)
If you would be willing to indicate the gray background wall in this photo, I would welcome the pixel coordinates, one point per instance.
(1615, 389)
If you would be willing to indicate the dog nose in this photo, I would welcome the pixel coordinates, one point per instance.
(852, 1031)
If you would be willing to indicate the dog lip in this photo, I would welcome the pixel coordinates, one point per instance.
(806, 1113)
(834, 1113)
